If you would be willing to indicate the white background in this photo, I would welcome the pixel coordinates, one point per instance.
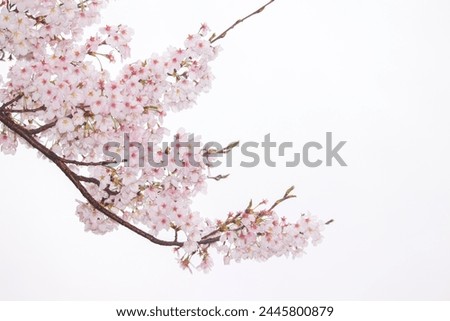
(375, 73)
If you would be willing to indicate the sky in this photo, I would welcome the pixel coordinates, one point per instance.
(374, 73)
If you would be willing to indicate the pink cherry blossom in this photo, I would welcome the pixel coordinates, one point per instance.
(59, 100)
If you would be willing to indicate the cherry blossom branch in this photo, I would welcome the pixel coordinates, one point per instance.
(158, 200)
(27, 135)
(97, 182)
(77, 182)
(43, 128)
(214, 38)
(88, 179)
(40, 129)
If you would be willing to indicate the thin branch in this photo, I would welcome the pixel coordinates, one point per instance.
(81, 163)
(42, 128)
(96, 182)
(11, 102)
(77, 180)
(209, 241)
(285, 197)
(218, 177)
(223, 34)
(88, 179)
(225, 150)
(74, 178)
(22, 111)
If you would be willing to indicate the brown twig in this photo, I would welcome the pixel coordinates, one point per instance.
(286, 196)
(223, 34)
(81, 163)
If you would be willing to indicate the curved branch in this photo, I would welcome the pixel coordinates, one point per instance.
(25, 134)
(11, 102)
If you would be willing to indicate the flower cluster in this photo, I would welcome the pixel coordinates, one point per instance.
(264, 235)
(67, 103)
(8, 143)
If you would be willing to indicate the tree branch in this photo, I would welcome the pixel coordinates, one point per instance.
(223, 34)
(81, 163)
(96, 182)
(74, 178)
(22, 111)
(63, 164)
(11, 102)
(42, 128)
(77, 182)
